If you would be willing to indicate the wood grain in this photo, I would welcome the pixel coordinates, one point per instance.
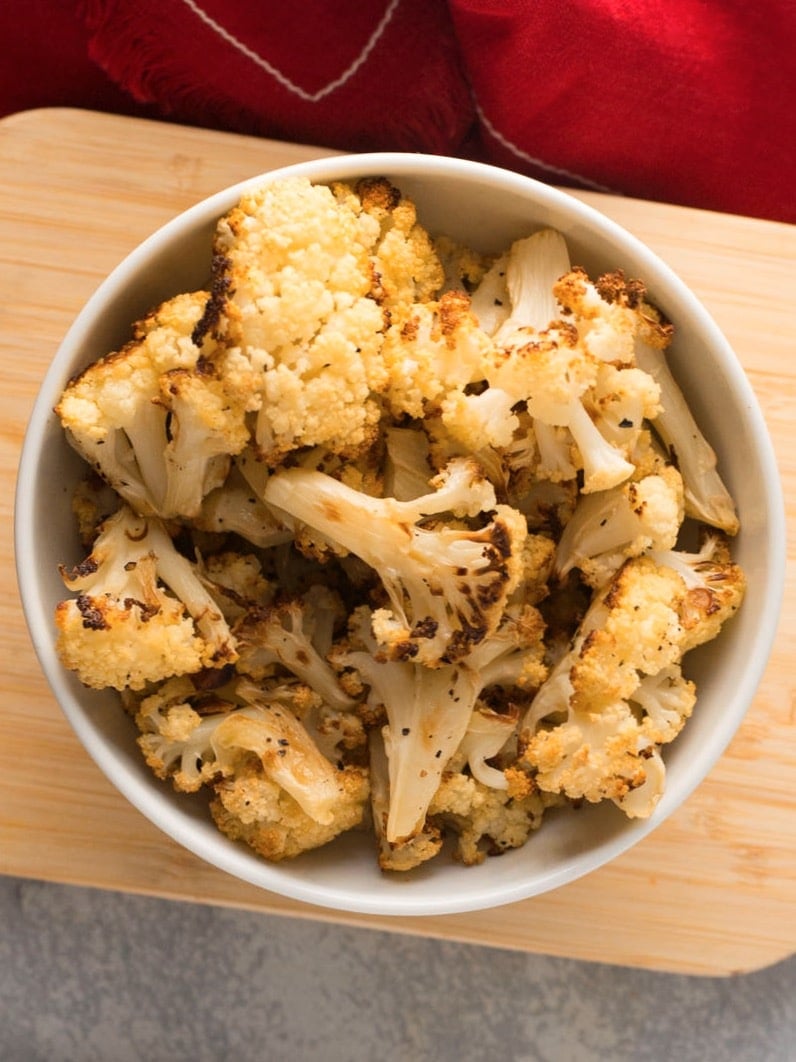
(712, 891)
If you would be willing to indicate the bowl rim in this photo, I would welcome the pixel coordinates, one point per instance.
(232, 858)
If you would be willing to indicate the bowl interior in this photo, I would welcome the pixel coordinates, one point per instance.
(487, 208)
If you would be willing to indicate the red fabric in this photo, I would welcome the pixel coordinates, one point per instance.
(685, 101)
(45, 61)
(688, 101)
(358, 74)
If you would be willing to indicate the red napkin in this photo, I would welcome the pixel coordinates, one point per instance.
(685, 101)
(358, 74)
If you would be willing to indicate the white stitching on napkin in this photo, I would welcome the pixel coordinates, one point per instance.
(506, 143)
(258, 60)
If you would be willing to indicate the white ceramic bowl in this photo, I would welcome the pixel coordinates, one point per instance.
(488, 208)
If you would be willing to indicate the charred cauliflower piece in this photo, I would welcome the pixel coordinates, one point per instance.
(608, 527)
(486, 821)
(161, 418)
(123, 629)
(595, 728)
(447, 585)
(407, 269)
(295, 633)
(273, 787)
(438, 350)
(293, 290)
(255, 810)
(429, 712)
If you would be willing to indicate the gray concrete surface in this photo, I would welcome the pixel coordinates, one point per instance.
(91, 976)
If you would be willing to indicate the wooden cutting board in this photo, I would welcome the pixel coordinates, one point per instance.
(712, 891)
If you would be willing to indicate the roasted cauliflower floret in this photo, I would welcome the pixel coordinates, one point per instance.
(614, 301)
(429, 710)
(255, 810)
(406, 267)
(595, 756)
(177, 726)
(274, 789)
(296, 634)
(608, 527)
(446, 584)
(123, 629)
(558, 381)
(595, 727)
(707, 499)
(489, 733)
(438, 350)
(405, 853)
(610, 753)
(715, 587)
(161, 418)
(236, 582)
(485, 821)
(293, 289)
(566, 355)
(523, 282)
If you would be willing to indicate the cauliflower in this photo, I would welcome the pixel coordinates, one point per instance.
(93, 501)
(464, 267)
(567, 356)
(601, 755)
(485, 820)
(610, 312)
(632, 628)
(429, 710)
(612, 525)
(443, 348)
(296, 634)
(538, 556)
(272, 731)
(161, 418)
(386, 531)
(407, 465)
(438, 349)
(622, 402)
(532, 267)
(552, 373)
(406, 267)
(715, 587)
(622, 304)
(273, 788)
(609, 753)
(447, 585)
(177, 725)
(293, 286)
(481, 419)
(407, 853)
(123, 629)
(487, 733)
(236, 583)
(490, 301)
(706, 497)
(235, 507)
(595, 727)
(252, 808)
